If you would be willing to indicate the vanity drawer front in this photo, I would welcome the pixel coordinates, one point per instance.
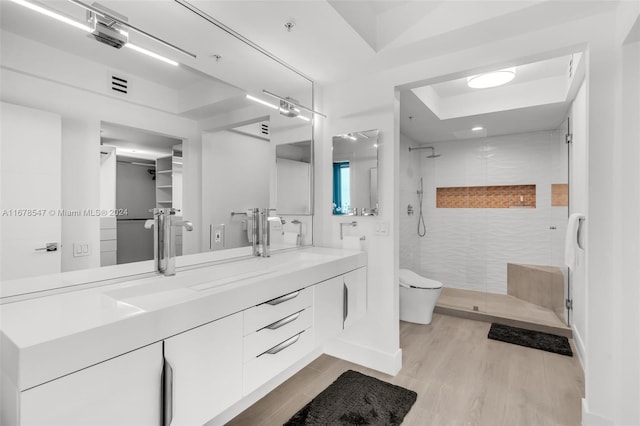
(260, 370)
(279, 331)
(269, 312)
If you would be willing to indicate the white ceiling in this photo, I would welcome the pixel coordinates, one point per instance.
(538, 98)
(132, 142)
(332, 39)
(553, 67)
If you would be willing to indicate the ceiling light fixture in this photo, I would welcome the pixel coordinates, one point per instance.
(294, 103)
(288, 112)
(151, 54)
(477, 128)
(116, 32)
(491, 79)
(260, 101)
(125, 24)
(53, 15)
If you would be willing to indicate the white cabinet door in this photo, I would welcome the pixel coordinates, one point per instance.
(125, 390)
(328, 309)
(355, 289)
(204, 371)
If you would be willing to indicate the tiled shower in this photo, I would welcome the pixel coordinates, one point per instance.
(487, 202)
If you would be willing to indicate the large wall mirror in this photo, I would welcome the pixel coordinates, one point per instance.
(355, 173)
(99, 135)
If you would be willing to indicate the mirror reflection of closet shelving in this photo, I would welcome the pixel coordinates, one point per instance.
(169, 187)
(164, 182)
(169, 179)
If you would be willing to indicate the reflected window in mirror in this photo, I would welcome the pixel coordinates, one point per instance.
(341, 188)
(355, 173)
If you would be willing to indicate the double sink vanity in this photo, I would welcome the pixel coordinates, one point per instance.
(195, 348)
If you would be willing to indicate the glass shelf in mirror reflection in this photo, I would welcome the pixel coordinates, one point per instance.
(179, 107)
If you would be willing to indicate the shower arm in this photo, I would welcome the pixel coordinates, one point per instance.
(433, 150)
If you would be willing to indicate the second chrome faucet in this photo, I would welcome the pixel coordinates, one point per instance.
(262, 231)
(164, 238)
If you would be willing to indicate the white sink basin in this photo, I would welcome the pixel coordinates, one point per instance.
(217, 282)
(156, 292)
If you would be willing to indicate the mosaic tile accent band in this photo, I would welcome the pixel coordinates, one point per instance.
(483, 197)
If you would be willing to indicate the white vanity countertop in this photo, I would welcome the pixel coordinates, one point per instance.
(47, 337)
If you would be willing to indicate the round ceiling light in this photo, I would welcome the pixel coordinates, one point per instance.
(491, 79)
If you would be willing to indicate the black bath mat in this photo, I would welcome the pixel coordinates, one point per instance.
(356, 399)
(531, 339)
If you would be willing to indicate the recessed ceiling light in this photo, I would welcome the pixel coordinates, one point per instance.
(477, 128)
(491, 79)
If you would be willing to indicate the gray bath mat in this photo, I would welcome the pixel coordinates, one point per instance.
(531, 339)
(356, 399)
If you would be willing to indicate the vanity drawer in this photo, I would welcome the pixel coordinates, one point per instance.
(263, 368)
(279, 331)
(274, 310)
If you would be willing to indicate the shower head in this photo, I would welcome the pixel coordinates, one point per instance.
(433, 151)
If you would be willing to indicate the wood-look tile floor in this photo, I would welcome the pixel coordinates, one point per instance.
(461, 377)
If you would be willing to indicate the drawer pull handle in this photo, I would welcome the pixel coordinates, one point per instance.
(284, 345)
(282, 299)
(284, 321)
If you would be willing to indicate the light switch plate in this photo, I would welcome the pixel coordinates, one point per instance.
(217, 237)
(81, 249)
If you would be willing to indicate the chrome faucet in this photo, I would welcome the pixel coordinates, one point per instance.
(299, 237)
(255, 231)
(164, 247)
(262, 231)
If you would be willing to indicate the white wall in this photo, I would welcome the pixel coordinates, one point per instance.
(228, 188)
(469, 248)
(369, 101)
(627, 314)
(356, 107)
(293, 191)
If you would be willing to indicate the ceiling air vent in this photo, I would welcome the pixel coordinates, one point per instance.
(264, 129)
(119, 85)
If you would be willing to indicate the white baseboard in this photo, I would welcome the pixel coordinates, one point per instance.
(590, 419)
(580, 348)
(368, 357)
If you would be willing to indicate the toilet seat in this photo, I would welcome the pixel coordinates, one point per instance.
(408, 278)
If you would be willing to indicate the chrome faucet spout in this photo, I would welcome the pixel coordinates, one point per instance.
(164, 243)
(299, 237)
(187, 224)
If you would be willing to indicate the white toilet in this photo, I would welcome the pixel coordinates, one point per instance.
(418, 297)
